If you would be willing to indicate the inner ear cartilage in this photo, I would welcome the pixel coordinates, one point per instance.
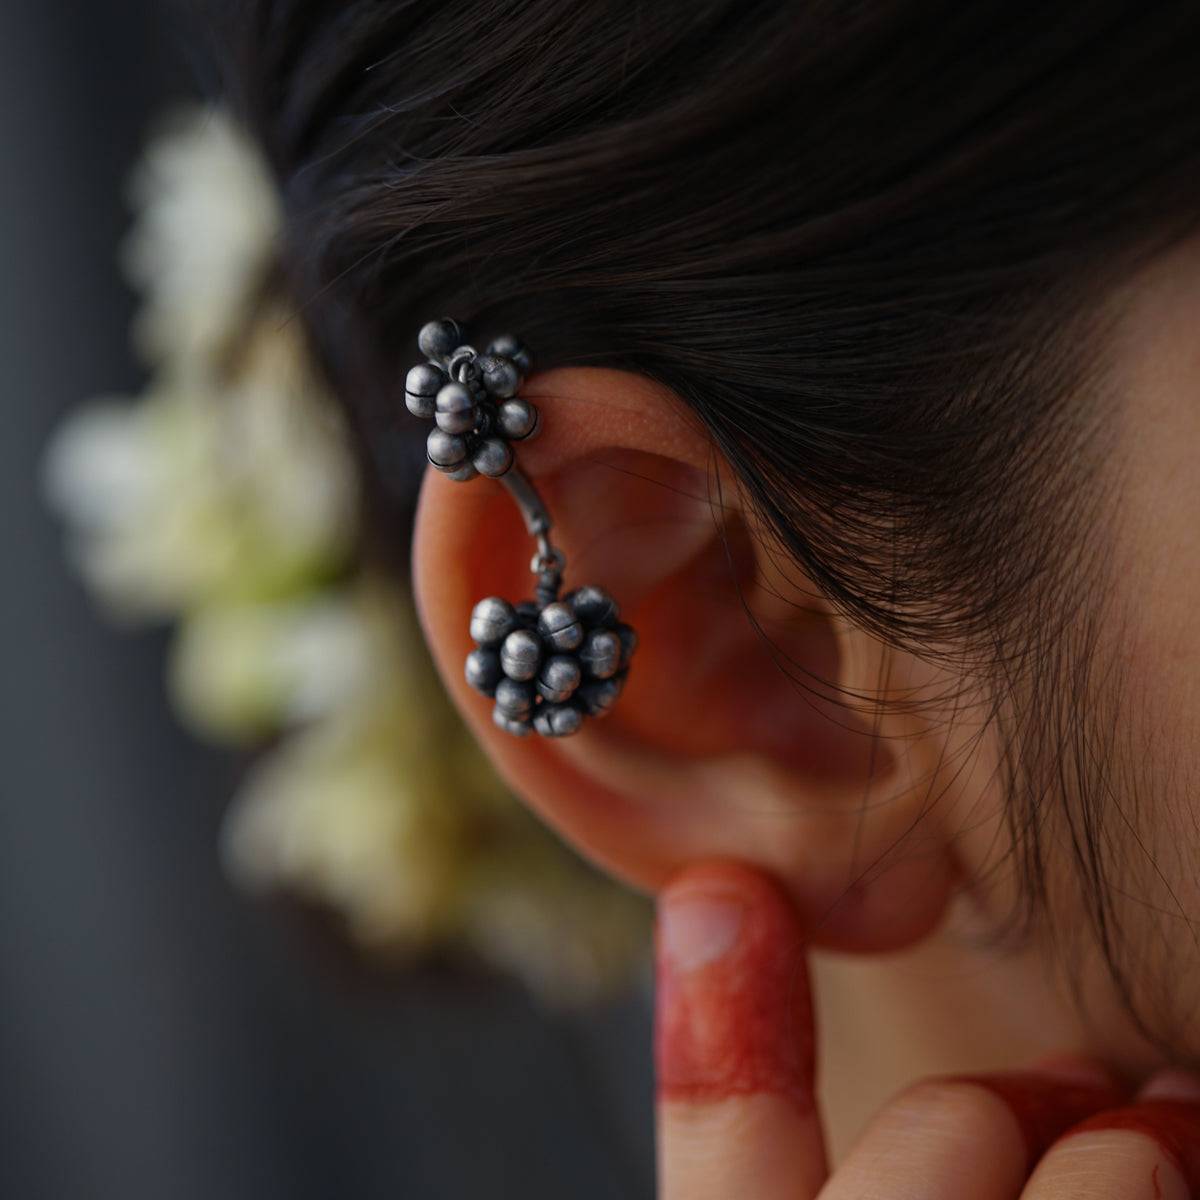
(547, 662)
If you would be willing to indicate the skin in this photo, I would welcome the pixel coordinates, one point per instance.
(864, 838)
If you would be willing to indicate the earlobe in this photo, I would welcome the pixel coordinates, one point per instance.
(733, 737)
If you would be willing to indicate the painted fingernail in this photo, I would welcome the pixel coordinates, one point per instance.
(733, 1015)
(1172, 1084)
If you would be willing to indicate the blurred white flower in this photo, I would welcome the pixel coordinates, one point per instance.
(338, 814)
(193, 496)
(205, 238)
(245, 670)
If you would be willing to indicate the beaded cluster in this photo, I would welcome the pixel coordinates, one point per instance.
(548, 666)
(550, 662)
(472, 399)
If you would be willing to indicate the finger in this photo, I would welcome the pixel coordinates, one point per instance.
(734, 1041)
(977, 1136)
(1150, 1149)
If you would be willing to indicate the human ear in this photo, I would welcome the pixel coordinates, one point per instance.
(756, 722)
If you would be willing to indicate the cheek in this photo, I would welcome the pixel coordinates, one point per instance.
(1141, 697)
(1152, 630)
(1154, 633)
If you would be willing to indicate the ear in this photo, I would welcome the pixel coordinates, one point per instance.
(755, 724)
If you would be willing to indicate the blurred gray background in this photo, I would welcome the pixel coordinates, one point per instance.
(160, 1036)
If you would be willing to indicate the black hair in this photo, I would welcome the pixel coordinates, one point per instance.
(874, 245)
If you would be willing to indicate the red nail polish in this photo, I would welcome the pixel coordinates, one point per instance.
(1173, 1124)
(1044, 1107)
(733, 1010)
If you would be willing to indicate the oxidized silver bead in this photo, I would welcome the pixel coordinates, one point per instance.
(493, 457)
(559, 626)
(514, 725)
(510, 347)
(557, 720)
(438, 339)
(517, 419)
(521, 654)
(421, 387)
(483, 671)
(456, 409)
(597, 696)
(593, 605)
(514, 699)
(445, 450)
(499, 374)
(560, 676)
(492, 620)
(463, 473)
(600, 654)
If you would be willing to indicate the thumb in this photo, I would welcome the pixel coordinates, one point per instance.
(734, 1041)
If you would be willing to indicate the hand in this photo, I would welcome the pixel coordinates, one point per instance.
(737, 1119)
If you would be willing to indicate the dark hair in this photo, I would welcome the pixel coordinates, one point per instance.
(874, 246)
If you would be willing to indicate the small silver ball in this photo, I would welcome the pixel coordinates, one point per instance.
(593, 605)
(515, 699)
(456, 410)
(438, 339)
(445, 450)
(600, 654)
(420, 387)
(559, 626)
(513, 348)
(629, 643)
(518, 419)
(483, 671)
(557, 720)
(462, 474)
(599, 695)
(499, 374)
(521, 654)
(513, 725)
(560, 676)
(493, 458)
(492, 620)
(420, 406)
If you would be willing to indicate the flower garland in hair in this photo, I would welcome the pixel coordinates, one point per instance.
(224, 500)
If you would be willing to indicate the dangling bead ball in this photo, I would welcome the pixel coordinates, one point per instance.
(549, 667)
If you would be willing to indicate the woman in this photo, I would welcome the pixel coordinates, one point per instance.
(867, 340)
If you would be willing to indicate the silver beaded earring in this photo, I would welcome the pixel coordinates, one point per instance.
(553, 660)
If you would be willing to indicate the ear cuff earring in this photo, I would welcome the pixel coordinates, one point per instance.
(547, 662)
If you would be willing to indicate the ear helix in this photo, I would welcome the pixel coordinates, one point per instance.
(551, 661)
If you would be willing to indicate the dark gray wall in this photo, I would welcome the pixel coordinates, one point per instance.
(159, 1037)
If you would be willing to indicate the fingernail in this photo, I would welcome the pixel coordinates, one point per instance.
(697, 929)
(1174, 1083)
(732, 1012)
